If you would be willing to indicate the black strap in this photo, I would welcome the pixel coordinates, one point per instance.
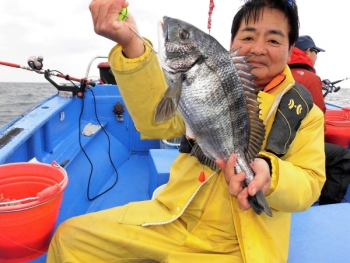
(186, 145)
(293, 108)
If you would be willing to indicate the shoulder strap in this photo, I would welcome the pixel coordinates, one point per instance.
(293, 108)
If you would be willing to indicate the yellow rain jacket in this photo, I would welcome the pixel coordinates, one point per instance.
(297, 177)
(194, 221)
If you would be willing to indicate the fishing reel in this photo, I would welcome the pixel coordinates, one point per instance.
(36, 63)
(329, 87)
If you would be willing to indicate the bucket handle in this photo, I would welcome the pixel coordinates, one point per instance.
(51, 190)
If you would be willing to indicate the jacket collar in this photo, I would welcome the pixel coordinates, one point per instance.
(300, 59)
(273, 92)
(280, 81)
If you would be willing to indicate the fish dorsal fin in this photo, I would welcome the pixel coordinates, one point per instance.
(167, 106)
(202, 158)
(257, 127)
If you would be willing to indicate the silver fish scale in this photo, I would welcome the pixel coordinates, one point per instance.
(217, 113)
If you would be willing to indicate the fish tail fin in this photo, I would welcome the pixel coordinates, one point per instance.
(259, 203)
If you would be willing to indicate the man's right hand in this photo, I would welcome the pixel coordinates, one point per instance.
(105, 19)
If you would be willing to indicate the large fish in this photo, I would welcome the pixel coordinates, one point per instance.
(214, 92)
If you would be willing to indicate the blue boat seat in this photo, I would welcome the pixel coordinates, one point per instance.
(320, 234)
(160, 161)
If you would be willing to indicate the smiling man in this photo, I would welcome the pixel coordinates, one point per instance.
(210, 221)
(266, 40)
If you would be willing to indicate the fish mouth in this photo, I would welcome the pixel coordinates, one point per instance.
(163, 30)
(163, 27)
(162, 38)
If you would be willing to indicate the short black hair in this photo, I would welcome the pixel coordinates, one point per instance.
(251, 9)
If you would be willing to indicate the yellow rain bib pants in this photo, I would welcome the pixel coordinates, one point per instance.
(98, 237)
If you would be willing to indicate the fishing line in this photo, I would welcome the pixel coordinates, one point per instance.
(140, 37)
(109, 153)
(86, 155)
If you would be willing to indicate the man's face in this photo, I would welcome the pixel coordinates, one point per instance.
(267, 43)
(312, 55)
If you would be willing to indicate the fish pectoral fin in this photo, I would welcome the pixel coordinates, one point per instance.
(166, 108)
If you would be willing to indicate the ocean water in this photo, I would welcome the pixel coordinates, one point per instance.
(340, 98)
(18, 97)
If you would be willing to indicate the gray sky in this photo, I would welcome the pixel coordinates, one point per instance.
(62, 32)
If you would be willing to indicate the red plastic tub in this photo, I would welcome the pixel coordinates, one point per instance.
(338, 127)
(31, 198)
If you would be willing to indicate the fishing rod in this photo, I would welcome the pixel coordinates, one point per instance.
(337, 81)
(35, 64)
(330, 87)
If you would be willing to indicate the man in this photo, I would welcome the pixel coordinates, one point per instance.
(302, 64)
(303, 59)
(210, 221)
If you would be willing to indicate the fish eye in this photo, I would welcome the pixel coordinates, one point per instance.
(183, 34)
